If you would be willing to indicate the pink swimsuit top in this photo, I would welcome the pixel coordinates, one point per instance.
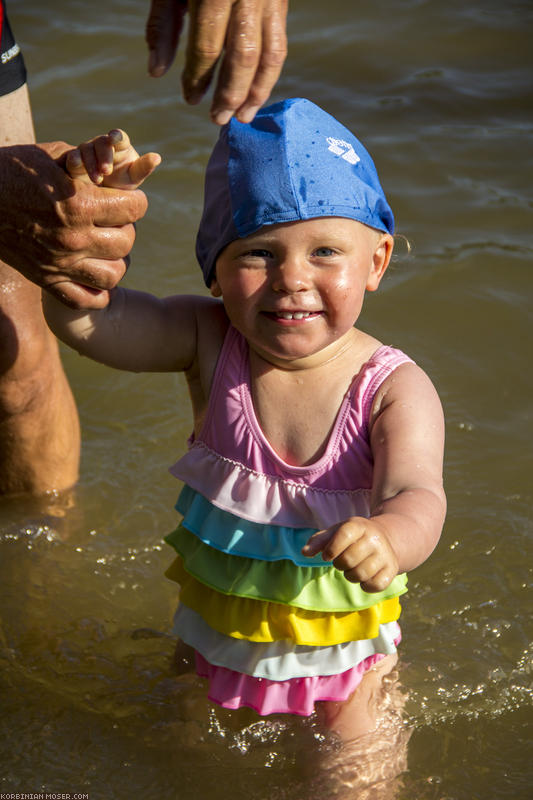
(233, 464)
(272, 629)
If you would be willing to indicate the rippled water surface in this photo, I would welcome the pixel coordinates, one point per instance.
(441, 94)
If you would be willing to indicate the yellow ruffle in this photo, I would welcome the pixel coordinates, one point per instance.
(261, 621)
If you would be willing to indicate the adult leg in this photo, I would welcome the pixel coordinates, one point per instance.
(39, 429)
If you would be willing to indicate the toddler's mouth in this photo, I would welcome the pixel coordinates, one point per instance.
(292, 315)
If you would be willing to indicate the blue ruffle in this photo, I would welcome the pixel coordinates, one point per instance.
(231, 534)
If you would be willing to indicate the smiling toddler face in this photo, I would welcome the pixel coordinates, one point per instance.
(296, 289)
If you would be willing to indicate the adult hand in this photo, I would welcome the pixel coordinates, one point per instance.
(249, 36)
(69, 237)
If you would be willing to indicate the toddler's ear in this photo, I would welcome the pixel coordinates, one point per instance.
(215, 289)
(380, 261)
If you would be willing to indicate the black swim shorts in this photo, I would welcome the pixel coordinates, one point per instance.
(12, 69)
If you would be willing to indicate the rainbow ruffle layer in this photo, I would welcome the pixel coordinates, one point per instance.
(312, 587)
(272, 629)
(265, 499)
(280, 660)
(263, 621)
(296, 696)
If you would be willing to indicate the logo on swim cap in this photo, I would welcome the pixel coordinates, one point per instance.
(342, 149)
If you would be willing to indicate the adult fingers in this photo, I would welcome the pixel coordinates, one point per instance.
(72, 247)
(76, 295)
(241, 59)
(208, 25)
(103, 207)
(163, 30)
(273, 55)
(87, 282)
(253, 35)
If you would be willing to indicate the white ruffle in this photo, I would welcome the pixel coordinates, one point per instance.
(280, 660)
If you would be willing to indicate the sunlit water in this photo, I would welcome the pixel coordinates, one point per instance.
(441, 94)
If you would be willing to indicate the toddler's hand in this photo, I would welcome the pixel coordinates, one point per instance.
(361, 549)
(111, 160)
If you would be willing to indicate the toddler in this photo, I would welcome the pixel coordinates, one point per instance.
(313, 477)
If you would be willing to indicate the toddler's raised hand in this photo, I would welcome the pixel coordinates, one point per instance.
(111, 160)
(360, 548)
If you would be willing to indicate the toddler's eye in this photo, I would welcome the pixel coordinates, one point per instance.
(259, 253)
(323, 252)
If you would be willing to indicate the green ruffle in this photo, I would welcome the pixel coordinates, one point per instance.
(313, 588)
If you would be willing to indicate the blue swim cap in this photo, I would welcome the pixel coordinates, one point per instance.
(293, 162)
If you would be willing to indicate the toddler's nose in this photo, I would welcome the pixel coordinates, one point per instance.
(291, 275)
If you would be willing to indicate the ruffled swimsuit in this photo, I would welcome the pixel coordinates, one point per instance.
(272, 629)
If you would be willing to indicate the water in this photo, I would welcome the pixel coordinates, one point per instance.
(441, 94)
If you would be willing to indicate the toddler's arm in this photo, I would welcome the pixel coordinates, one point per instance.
(407, 502)
(135, 331)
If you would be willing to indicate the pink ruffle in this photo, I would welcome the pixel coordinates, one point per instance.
(232, 689)
(266, 499)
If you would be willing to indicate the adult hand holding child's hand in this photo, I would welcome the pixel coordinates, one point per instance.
(75, 236)
(361, 549)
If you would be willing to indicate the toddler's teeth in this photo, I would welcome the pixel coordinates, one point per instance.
(293, 314)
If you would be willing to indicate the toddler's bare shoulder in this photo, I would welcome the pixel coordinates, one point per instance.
(409, 385)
